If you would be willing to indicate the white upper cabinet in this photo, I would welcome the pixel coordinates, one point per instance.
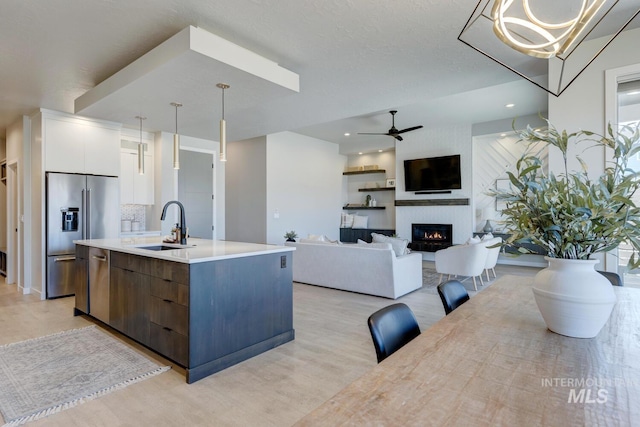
(79, 145)
(135, 189)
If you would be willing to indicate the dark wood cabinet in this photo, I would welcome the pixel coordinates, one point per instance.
(129, 303)
(144, 301)
(351, 235)
(169, 317)
(205, 316)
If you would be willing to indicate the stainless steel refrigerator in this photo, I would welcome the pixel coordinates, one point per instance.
(78, 207)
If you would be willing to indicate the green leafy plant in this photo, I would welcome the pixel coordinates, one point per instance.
(571, 215)
(290, 235)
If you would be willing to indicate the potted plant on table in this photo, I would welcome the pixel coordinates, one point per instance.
(573, 216)
(290, 236)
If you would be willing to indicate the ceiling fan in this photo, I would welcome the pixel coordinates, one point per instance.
(393, 131)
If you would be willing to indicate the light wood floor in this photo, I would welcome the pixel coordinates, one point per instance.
(332, 348)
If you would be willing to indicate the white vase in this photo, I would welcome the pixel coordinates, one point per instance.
(573, 298)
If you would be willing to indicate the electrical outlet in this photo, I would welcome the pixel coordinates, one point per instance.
(283, 261)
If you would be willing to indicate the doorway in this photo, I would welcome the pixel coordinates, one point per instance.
(195, 189)
(628, 113)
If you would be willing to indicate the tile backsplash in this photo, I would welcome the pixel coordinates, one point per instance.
(134, 213)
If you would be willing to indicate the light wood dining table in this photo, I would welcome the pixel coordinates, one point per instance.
(493, 362)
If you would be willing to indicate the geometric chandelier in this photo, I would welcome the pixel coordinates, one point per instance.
(548, 42)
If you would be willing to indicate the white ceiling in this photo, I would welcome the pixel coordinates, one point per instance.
(356, 60)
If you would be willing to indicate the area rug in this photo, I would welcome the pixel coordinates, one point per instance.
(45, 375)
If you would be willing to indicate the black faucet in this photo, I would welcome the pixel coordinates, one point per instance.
(183, 226)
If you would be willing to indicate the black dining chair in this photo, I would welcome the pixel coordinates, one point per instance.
(391, 328)
(614, 278)
(453, 294)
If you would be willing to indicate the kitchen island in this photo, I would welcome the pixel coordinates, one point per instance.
(206, 305)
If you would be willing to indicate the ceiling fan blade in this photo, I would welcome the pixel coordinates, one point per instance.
(410, 129)
(366, 133)
(398, 137)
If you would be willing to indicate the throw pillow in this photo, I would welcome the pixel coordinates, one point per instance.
(360, 221)
(318, 237)
(399, 245)
(375, 245)
(473, 240)
(486, 237)
(320, 242)
(346, 220)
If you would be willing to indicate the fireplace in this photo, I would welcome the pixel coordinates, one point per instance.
(431, 237)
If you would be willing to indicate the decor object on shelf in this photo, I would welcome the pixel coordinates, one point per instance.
(354, 169)
(391, 182)
(573, 216)
(141, 148)
(487, 213)
(290, 236)
(564, 39)
(223, 126)
(176, 140)
(368, 200)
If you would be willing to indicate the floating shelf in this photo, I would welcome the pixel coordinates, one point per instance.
(358, 208)
(377, 189)
(365, 172)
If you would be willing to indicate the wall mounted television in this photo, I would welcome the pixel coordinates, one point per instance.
(433, 174)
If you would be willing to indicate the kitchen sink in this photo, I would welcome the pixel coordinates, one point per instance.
(158, 248)
(163, 247)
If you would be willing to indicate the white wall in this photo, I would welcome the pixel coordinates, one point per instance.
(304, 186)
(246, 196)
(582, 105)
(18, 256)
(433, 142)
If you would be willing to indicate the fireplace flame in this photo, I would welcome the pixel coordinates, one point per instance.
(434, 235)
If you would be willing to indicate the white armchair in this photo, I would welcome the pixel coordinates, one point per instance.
(492, 255)
(462, 260)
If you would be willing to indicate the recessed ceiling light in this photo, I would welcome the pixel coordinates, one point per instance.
(502, 135)
(347, 134)
(510, 105)
(360, 153)
(379, 151)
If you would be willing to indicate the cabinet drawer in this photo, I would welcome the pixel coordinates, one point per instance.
(169, 270)
(130, 262)
(169, 314)
(165, 289)
(168, 342)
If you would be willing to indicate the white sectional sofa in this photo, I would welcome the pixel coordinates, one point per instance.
(369, 269)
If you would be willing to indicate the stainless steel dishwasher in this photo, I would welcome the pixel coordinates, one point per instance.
(99, 284)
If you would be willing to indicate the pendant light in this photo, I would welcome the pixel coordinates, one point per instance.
(223, 127)
(176, 140)
(141, 148)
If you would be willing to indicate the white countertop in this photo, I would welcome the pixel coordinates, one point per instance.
(196, 250)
